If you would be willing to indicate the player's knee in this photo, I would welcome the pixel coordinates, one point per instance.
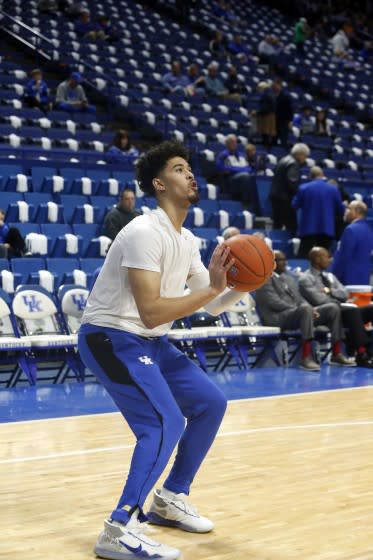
(217, 403)
(174, 426)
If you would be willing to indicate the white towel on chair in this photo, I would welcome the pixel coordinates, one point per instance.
(88, 213)
(15, 121)
(58, 183)
(105, 243)
(22, 211)
(52, 212)
(211, 191)
(46, 280)
(37, 243)
(7, 281)
(113, 187)
(199, 217)
(21, 183)
(71, 243)
(86, 186)
(224, 219)
(46, 143)
(248, 217)
(71, 126)
(79, 277)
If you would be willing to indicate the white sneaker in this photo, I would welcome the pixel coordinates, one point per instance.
(127, 542)
(176, 512)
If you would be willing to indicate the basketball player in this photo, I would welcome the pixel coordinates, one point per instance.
(165, 398)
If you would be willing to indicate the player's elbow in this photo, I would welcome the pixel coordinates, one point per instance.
(150, 320)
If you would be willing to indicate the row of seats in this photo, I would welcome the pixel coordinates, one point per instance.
(48, 272)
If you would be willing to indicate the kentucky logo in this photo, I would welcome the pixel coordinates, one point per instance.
(33, 304)
(233, 271)
(146, 360)
(80, 301)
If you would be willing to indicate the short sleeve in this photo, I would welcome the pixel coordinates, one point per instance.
(196, 265)
(141, 248)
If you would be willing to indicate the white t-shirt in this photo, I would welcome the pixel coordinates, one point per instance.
(148, 242)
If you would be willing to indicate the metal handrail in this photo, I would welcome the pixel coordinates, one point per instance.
(25, 26)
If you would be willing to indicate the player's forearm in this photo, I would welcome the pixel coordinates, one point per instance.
(164, 310)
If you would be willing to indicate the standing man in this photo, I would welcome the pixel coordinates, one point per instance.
(318, 287)
(281, 305)
(352, 259)
(284, 112)
(285, 182)
(121, 214)
(319, 203)
(300, 35)
(165, 398)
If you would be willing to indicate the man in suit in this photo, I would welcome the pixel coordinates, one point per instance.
(352, 258)
(284, 112)
(319, 287)
(319, 203)
(285, 182)
(280, 304)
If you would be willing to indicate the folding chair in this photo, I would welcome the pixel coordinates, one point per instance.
(13, 349)
(52, 348)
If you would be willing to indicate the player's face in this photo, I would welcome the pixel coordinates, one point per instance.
(178, 180)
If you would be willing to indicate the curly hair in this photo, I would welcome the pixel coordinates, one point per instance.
(152, 162)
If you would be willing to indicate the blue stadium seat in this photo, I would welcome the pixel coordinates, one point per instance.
(14, 213)
(26, 266)
(44, 214)
(86, 232)
(62, 269)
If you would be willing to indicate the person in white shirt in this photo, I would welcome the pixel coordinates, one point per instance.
(165, 398)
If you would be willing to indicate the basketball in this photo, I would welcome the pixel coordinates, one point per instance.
(254, 262)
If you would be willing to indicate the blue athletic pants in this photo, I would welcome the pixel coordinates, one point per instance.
(156, 388)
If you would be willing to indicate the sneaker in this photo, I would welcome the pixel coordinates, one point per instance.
(364, 360)
(127, 542)
(177, 512)
(309, 364)
(341, 360)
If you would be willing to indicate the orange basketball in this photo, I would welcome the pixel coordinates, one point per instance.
(254, 262)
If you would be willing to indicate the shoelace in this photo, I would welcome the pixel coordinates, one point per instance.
(186, 506)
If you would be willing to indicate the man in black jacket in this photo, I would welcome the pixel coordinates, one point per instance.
(284, 186)
(284, 112)
(121, 214)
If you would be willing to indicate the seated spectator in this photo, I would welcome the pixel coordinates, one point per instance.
(87, 29)
(241, 51)
(196, 80)
(213, 84)
(12, 243)
(269, 48)
(305, 121)
(280, 304)
(340, 42)
(36, 91)
(224, 11)
(111, 34)
(239, 180)
(48, 6)
(265, 116)
(322, 126)
(218, 45)
(121, 149)
(121, 214)
(174, 80)
(71, 96)
(319, 287)
(255, 161)
(234, 85)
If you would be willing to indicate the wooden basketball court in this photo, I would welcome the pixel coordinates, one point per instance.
(288, 478)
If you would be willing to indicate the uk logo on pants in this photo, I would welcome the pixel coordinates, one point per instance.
(146, 360)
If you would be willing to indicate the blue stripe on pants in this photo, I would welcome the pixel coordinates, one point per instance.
(155, 386)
